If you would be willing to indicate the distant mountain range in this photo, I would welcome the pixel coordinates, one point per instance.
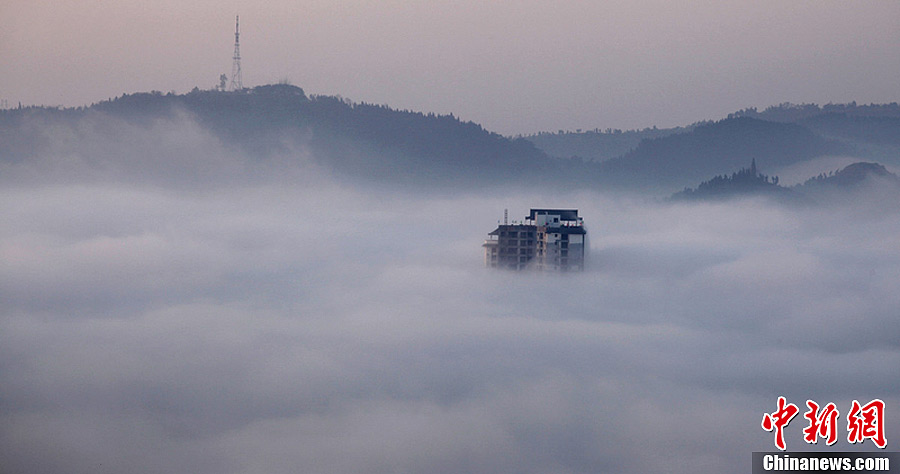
(717, 147)
(777, 137)
(874, 123)
(839, 185)
(354, 140)
(598, 145)
(375, 143)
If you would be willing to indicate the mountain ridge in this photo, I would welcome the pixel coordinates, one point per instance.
(716, 147)
(375, 143)
(826, 187)
(358, 140)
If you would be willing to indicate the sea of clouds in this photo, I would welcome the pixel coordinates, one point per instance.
(169, 307)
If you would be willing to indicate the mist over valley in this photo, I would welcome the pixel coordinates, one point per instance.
(270, 281)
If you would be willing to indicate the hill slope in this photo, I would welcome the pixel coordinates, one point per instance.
(357, 140)
(374, 143)
(597, 145)
(858, 183)
(714, 148)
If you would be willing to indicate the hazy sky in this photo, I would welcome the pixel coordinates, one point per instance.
(513, 66)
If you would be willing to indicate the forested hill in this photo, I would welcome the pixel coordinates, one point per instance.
(374, 143)
(778, 137)
(873, 130)
(854, 176)
(878, 123)
(598, 145)
(358, 140)
(788, 112)
(713, 148)
(746, 182)
(861, 182)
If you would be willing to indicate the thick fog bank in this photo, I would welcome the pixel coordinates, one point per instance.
(303, 325)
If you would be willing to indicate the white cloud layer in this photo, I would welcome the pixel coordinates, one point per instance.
(303, 325)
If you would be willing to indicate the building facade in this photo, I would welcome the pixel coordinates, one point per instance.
(548, 240)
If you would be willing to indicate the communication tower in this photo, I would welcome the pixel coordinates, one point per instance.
(236, 82)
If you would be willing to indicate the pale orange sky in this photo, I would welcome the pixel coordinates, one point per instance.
(515, 67)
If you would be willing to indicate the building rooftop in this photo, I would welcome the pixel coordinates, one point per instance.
(564, 214)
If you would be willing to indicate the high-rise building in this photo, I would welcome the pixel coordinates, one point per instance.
(548, 240)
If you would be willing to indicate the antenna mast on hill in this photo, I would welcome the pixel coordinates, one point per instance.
(236, 82)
